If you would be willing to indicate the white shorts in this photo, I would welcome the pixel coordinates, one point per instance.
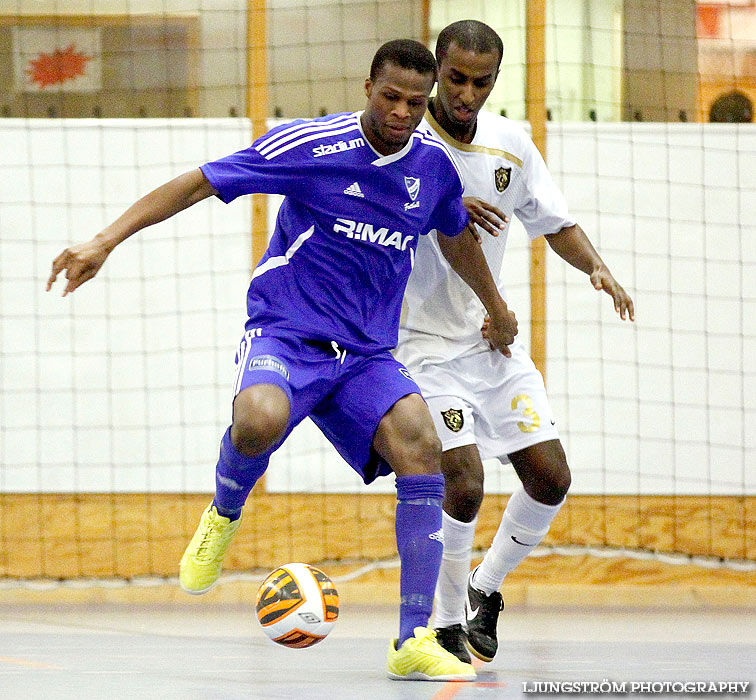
(496, 402)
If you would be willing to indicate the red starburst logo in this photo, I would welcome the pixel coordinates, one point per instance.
(57, 67)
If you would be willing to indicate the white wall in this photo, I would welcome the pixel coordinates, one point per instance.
(124, 386)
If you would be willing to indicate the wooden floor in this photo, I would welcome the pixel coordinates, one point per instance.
(213, 652)
(564, 621)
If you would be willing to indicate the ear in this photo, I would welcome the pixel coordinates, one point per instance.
(368, 87)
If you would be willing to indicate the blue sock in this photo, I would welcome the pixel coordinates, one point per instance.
(420, 542)
(235, 475)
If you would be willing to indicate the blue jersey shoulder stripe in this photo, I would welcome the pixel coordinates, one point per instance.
(426, 138)
(299, 124)
(279, 139)
(311, 137)
(294, 133)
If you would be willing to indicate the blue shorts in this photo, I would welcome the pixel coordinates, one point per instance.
(346, 395)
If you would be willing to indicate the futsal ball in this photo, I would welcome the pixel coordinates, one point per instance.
(297, 605)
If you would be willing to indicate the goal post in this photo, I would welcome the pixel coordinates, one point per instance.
(535, 99)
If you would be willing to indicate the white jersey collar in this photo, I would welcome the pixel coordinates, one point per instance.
(469, 147)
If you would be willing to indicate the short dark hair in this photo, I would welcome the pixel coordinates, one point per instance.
(405, 53)
(469, 35)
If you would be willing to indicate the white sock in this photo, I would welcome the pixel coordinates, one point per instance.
(523, 525)
(455, 568)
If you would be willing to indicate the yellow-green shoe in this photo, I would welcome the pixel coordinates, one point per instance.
(201, 564)
(422, 658)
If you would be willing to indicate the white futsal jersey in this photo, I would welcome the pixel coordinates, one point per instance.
(441, 316)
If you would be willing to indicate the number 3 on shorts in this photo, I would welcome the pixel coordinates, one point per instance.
(522, 402)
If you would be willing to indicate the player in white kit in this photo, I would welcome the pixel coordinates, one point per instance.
(486, 404)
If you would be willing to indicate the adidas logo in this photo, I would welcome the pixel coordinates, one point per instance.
(438, 536)
(354, 190)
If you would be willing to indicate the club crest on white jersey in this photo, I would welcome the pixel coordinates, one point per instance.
(502, 178)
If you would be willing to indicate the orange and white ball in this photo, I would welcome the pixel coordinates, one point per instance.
(297, 605)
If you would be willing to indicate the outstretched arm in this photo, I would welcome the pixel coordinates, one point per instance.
(84, 260)
(466, 258)
(571, 244)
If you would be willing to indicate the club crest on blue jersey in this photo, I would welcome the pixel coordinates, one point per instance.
(413, 188)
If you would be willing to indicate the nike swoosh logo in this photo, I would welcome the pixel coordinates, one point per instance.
(471, 614)
(524, 544)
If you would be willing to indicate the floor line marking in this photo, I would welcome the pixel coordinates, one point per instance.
(29, 664)
(451, 688)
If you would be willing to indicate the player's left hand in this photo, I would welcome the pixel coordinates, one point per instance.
(485, 215)
(500, 333)
(601, 278)
(81, 263)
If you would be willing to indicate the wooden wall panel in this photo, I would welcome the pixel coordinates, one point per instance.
(127, 535)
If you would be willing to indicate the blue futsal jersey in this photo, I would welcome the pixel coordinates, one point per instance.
(345, 237)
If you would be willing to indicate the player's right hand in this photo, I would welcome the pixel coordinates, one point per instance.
(500, 333)
(81, 263)
(485, 215)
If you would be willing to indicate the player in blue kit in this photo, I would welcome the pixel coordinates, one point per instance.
(324, 306)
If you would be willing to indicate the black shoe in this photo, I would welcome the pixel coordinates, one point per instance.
(453, 640)
(482, 613)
